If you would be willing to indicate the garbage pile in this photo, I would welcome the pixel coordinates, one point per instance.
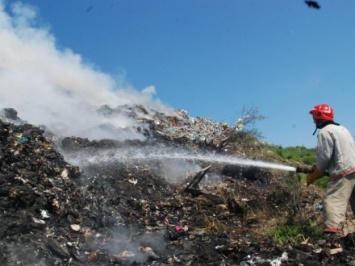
(177, 126)
(105, 212)
(199, 130)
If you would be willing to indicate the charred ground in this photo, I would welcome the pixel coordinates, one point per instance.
(127, 211)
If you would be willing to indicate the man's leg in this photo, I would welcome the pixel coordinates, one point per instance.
(335, 202)
(352, 197)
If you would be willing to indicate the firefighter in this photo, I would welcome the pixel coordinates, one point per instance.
(336, 154)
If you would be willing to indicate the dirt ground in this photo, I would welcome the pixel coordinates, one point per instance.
(78, 202)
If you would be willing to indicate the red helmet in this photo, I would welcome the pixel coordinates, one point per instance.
(322, 111)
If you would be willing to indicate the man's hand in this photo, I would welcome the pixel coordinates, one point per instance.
(314, 175)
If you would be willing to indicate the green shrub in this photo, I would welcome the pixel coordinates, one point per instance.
(297, 232)
(323, 182)
(296, 154)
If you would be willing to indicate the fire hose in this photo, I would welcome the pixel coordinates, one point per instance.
(308, 171)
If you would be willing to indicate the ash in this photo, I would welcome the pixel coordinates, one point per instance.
(74, 201)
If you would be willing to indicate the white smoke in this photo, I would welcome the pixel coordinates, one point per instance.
(54, 87)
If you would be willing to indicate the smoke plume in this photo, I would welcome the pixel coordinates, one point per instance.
(54, 87)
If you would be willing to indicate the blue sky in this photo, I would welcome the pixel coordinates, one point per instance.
(214, 58)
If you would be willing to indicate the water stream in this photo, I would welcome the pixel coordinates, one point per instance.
(161, 154)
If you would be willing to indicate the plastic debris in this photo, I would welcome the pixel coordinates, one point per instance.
(38, 221)
(278, 261)
(44, 214)
(37, 181)
(75, 227)
(124, 254)
(332, 251)
(318, 207)
(133, 181)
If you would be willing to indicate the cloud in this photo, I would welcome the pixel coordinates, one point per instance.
(54, 87)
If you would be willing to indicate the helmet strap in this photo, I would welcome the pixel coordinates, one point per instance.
(315, 131)
(322, 123)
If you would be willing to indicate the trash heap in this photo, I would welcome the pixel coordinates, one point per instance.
(105, 212)
(39, 200)
(176, 126)
(199, 130)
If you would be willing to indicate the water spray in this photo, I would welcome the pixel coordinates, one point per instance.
(224, 159)
(160, 154)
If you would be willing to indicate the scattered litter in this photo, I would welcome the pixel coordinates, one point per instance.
(124, 255)
(322, 242)
(318, 207)
(180, 228)
(102, 218)
(24, 139)
(333, 251)
(149, 251)
(275, 262)
(64, 174)
(200, 232)
(176, 259)
(133, 181)
(44, 214)
(75, 227)
(38, 221)
(318, 250)
(278, 261)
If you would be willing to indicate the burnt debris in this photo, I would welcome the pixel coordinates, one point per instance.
(53, 212)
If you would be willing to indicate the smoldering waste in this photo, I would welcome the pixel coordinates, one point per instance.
(128, 212)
